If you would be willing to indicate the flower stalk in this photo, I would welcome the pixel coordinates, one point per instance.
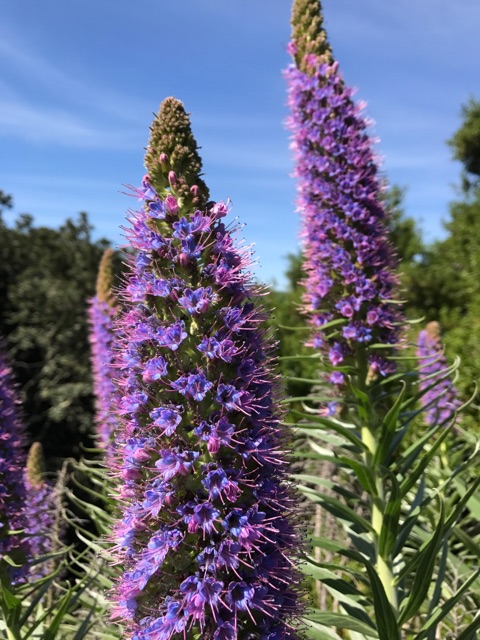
(349, 263)
(101, 313)
(13, 513)
(207, 539)
(441, 399)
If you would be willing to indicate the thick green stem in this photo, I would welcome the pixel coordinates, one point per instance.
(369, 437)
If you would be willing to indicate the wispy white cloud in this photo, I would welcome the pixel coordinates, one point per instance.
(43, 103)
(35, 69)
(48, 181)
(43, 124)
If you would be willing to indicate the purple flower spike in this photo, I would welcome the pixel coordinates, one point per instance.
(440, 401)
(42, 507)
(13, 512)
(101, 312)
(349, 263)
(201, 469)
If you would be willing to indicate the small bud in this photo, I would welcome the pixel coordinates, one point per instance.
(171, 204)
(183, 259)
(35, 466)
(172, 178)
(163, 158)
(195, 191)
(433, 330)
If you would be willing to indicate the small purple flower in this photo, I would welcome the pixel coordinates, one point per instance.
(166, 418)
(197, 301)
(239, 595)
(171, 336)
(155, 369)
(195, 385)
(171, 464)
(232, 398)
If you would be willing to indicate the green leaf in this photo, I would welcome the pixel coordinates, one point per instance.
(33, 602)
(390, 521)
(363, 474)
(336, 507)
(470, 633)
(460, 504)
(473, 502)
(387, 430)
(386, 621)
(425, 564)
(327, 325)
(385, 615)
(316, 631)
(9, 598)
(342, 621)
(61, 608)
(84, 628)
(412, 475)
(348, 431)
(441, 612)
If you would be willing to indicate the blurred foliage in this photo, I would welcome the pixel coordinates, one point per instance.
(443, 281)
(465, 143)
(46, 277)
(286, 317)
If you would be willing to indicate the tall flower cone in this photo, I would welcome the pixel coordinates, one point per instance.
(41, 503)
(13, 519)
(348, 259)
(101, 312)
(208, 538)
(350, 283)
(441, 400)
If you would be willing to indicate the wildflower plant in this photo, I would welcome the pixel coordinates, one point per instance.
(349, 261)
(207, 538)
(27, 577)
(388, 567)
(102, 310)
(42, 507)
(15, 551)
(441, 397)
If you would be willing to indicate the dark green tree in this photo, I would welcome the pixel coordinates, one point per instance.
(465, 144)
(443, 282)
(404, 233)
(46, 277)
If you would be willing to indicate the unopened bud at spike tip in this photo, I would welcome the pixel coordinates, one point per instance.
(35, 465)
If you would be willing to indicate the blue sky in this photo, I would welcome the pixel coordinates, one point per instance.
(80, 80)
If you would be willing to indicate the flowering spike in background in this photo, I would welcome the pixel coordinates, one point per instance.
(35, 469)
(41, 503)
(441, 401)
(12, 485)
(348, 259)
(101, 312)
(207, 539)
